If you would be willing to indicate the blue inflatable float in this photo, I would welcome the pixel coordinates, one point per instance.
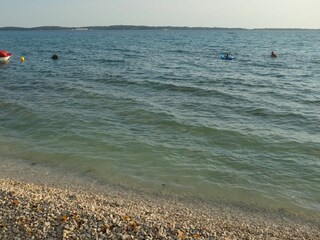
(225, 57)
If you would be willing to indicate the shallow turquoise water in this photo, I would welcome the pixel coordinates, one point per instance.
(160, 111)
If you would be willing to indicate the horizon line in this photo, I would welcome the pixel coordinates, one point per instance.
(150, 26)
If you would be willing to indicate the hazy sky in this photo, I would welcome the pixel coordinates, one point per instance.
(205, 13)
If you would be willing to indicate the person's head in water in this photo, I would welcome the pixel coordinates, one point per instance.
(274, 54)
(54, 57)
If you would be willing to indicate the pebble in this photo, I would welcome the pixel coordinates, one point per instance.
(29, 211)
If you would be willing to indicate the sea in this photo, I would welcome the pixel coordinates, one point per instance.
(159, 111)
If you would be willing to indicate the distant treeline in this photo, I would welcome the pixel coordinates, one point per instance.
(131, 27)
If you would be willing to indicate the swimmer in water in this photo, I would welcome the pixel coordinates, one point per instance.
(274, 54)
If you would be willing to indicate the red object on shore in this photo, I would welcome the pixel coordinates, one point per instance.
(4, 53)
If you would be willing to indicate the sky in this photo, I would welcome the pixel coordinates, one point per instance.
(192, 13)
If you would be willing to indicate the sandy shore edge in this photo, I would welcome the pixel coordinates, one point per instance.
(48, 206)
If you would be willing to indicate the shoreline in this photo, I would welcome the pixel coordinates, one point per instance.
(47, 205)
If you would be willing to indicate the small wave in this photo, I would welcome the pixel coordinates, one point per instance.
(165, 85)
(123, 50)
(16, 115)
(148, 116)
(263, 112)
(170, 123)
(315, 61)
(111, 61)
(111, 79)
(192, 89)
(311, 101)
(134, 55)
(178, 51)
(118, 49)
(9, 106)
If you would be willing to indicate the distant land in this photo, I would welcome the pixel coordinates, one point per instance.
(132, 27)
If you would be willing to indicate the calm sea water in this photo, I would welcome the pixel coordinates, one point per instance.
(160, 111)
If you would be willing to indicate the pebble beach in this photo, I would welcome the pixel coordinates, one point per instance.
(42, 205)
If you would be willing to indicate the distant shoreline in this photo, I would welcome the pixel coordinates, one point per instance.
(133, 27)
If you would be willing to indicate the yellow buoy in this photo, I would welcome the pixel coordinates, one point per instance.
(21, 59)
